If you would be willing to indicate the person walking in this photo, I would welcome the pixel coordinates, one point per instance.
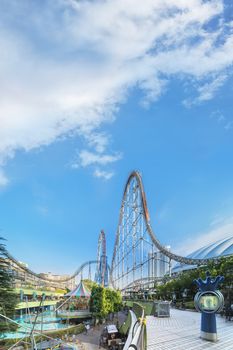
(228, 312)
(100, 342)
(87, 328)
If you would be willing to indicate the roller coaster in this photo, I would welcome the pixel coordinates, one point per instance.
(101, 273)
(102, 268)
(136, 251)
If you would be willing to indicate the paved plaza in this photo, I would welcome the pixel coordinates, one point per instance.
(182, 332)
(90, 341)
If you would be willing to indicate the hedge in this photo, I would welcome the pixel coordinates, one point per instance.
(124, 328)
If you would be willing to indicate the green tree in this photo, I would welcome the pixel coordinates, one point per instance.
(8, 299)
(117, 300)
(113, 299)
(98, 302)
(104, 301)
(222, 266)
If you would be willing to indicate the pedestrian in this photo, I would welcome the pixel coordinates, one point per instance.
(100, 342)
(87, 327)
(228, 312)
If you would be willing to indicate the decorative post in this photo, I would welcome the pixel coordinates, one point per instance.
(208, 301)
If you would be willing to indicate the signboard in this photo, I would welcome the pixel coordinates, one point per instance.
(209, 302)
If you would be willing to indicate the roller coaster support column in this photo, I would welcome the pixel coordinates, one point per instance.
(208, 301)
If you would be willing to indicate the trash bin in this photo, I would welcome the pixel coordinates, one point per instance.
(162, 308)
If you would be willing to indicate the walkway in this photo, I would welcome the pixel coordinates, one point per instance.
(90, 341)
(182, 332)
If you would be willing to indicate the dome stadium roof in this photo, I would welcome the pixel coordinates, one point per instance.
(223, 247)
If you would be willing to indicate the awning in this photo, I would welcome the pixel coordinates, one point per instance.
(79, 291)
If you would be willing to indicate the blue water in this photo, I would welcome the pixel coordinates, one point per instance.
(53, 324)
(46, 318)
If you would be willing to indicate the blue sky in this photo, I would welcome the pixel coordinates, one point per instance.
(91, 91)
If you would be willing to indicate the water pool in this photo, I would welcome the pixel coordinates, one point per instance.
(50, 323)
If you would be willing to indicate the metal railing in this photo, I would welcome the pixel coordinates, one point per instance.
(137, 334)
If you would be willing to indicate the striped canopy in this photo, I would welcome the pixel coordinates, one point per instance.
(79, 291)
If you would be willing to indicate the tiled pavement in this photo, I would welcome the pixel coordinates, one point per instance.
(182, 332)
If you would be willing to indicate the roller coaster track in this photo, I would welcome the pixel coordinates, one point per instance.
(43, 278)
(142, 281)
(102, 268)
(172, 256)
(46, 279)
(136, 178)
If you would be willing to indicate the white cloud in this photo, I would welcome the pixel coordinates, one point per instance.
(220, 228)
(218, 220)
(106, 175)
(225, 122)
(3, 179)
(87, 158)
(98, 140)
(228, 126)
(207, 90)
(66, 66)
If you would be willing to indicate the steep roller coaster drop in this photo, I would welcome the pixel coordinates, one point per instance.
(135, 246)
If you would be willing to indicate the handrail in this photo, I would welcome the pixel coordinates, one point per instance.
(136, 339)
(130, 334)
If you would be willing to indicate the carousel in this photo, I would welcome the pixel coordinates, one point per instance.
(76, 305)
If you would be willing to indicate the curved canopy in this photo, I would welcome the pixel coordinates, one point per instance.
(79, 291)
(223, 247)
